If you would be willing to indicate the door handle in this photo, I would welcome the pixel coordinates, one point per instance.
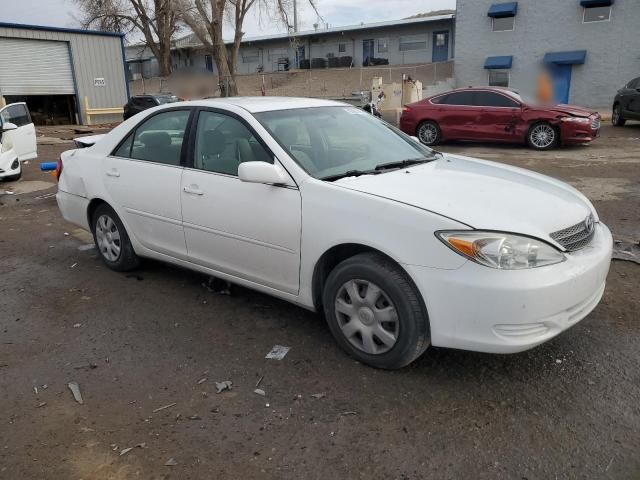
(113, 173)
(193, 190)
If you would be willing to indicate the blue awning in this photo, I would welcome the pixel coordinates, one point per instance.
(596, 3)
(566, 58)
(499, 10)
(498, 62)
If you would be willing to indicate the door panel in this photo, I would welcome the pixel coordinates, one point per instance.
(457, 117)
(248, 230)
(440, 51)
(23, 138)
(498, 116)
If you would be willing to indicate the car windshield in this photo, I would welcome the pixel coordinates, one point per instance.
(167, 99)
(331, 142)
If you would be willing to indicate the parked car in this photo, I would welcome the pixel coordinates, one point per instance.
(626, 105)
(17, 140)
(398, 245)
(139, 103)
(491, 114)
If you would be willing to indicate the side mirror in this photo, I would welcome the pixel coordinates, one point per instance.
(415, 139)
(261, 172)
(9, 126)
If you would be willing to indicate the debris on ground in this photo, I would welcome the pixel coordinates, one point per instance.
(278, 352)
(259, 391)
(202, 380)
(259, 381)
(217, 285)
(124, 451)
(40, 405)
(222, 386)
(171, 463)
(35, 389)
(74, 265)
(194, 417)
(88, 246)
(626, 250)
(77, 325)
(164, 407)
(319, 395)
(86, 366)
(75, 390)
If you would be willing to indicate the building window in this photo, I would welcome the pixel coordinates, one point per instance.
(441, 39)
(383, 45)
(504, 24)
(342, 47)
(412, 43)
(596, 14)
(498, 78)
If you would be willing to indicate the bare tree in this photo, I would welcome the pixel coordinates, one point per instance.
(156, 20)
(205, 18)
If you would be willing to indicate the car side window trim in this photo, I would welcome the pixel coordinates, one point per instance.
(132, 134)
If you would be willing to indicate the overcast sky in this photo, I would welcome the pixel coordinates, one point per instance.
(335, 12)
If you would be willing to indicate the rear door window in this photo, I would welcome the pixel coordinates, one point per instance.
(491, 99)
(459, 98)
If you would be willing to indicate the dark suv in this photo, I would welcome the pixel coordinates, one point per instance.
(138, 103)
(626, 105)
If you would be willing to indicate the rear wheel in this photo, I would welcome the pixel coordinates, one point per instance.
(542, 136)
(112, 240)
(616, 117)
(429, 133)
(375, 311)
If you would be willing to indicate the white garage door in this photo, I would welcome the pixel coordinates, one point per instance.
(35, 67)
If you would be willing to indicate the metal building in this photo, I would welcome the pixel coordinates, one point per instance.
(65, 75)
(590, 48)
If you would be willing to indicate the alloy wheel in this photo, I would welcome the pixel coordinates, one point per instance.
(428, 133)
(542, 136)
(108, 238)
(367, 317)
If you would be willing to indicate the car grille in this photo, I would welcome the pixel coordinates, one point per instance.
(576, 236)
(595, 124)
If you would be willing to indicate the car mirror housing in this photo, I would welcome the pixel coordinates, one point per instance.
(261, 172)
(9, 126)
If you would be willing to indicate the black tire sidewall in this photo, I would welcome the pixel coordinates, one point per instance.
(621, 121)
(127, 260)
(438, 132)
(413, 333)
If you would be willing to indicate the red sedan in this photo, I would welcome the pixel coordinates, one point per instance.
(490, 114)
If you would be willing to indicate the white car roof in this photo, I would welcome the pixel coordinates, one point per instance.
(267, 104)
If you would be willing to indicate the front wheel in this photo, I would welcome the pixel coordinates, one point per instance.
(616, 117)
(542, 136)
(375, 312)
(113, 241)
(429, 133)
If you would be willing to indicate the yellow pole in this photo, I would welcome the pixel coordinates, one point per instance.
(86, 110)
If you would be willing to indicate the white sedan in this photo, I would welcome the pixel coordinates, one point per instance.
(325, 206)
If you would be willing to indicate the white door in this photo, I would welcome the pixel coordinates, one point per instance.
(248, 230)
(23, 139)
(143, 178)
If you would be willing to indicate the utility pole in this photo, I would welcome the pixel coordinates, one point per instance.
(295, 16)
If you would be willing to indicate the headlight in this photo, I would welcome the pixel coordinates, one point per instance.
(501, 250)
(576, 119)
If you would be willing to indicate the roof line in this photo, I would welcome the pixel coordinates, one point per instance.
(338, 29)
(59, 29)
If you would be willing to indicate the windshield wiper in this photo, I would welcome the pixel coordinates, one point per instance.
(403, 163)
(349, 173)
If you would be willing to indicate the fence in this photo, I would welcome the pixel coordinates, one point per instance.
(333, 82)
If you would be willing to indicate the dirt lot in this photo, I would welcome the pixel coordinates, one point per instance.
(135, 343)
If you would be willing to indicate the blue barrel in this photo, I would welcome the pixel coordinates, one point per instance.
(48, 166)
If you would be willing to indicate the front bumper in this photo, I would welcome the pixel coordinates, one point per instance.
(573, 133)
(500, 311)
(9, 164)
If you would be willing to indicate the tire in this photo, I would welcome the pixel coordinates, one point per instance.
(388, 328)
(616, 117)
(429, 133)
(543, 136)
(116, 253)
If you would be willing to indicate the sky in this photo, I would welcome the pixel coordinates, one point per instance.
(60, 13)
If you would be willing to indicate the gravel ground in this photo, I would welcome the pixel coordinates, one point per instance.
(135, 343)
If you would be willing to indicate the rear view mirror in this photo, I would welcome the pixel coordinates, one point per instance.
(261, 172)
(9, 126)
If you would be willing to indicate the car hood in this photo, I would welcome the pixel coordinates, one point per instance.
(568, 110)
(481, 194)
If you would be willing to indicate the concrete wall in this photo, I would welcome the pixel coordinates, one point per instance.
(92, 56)
(541, 26)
